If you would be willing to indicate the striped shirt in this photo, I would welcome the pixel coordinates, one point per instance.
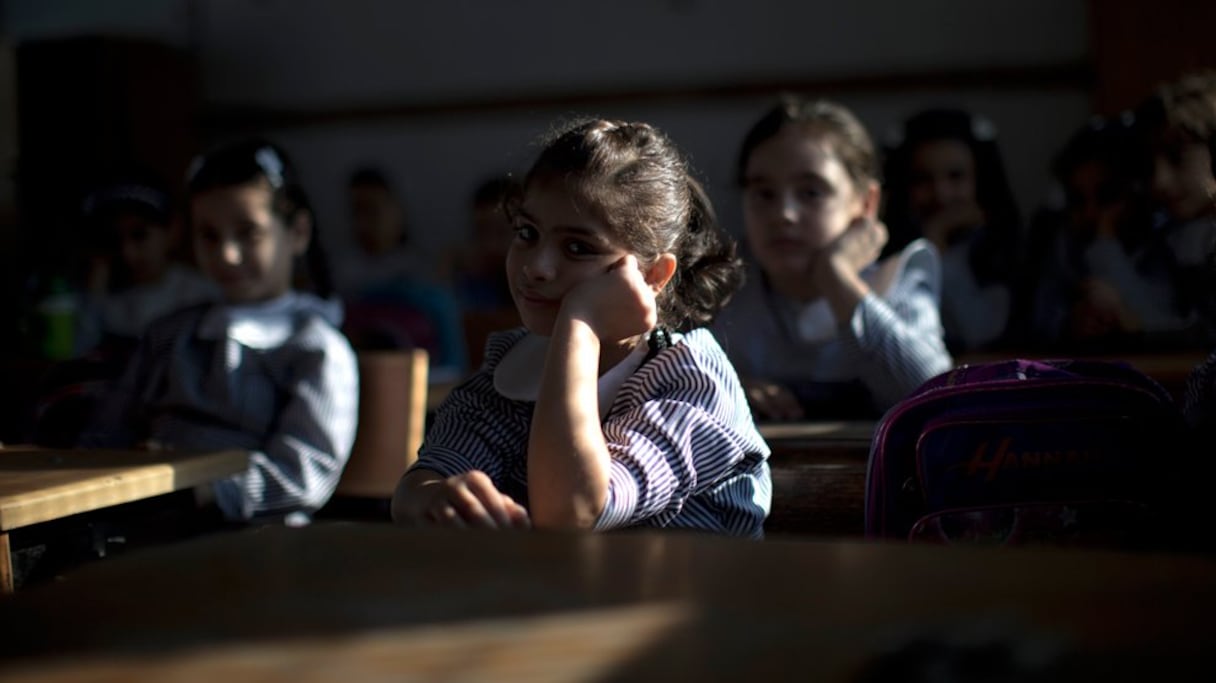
(891, 344)
(275, 378)
(684, 450)
(1199, 399)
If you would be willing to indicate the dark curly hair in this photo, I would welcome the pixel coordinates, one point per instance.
(249, 160)
(634, 179)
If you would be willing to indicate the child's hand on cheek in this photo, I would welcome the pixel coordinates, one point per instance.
(855, 248)
(616, 304)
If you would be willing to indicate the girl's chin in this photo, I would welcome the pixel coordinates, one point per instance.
(538, 325)
(786, 264)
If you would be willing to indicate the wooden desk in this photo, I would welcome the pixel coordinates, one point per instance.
(374, 602)
(40, 485)
(819, 476)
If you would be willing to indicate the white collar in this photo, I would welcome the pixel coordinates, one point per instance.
(517, 376)
(263, 324)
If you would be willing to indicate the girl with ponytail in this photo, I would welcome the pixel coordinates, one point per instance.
(613, 406)
(824, 328)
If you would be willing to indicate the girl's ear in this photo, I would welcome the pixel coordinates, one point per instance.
(659, 273)
(300, 232)
(871, 199)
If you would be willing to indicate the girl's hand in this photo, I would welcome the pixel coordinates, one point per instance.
(771, 401)
(617, 304)
(462, 501)
(1099, 311)
(854, 249)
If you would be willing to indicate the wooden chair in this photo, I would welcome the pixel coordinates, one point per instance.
(392, 416)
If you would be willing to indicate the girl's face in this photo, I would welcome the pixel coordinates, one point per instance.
(242, 244)
(144, 247)
(377, 218)
(1094, 196)
(797, 198)
(557, 245)
(941, 176)
(1182, 178)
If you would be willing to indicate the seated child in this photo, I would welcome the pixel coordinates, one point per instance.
(1099, 200)
(134, 277)
(946, 183)
(388, 284)
(264, 370)
(613, 406)
(822, 328)
(1155, 291)
(476, 267)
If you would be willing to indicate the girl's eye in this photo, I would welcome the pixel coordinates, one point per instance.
(762, 194)
(811, 194)
(580, 248)
(526, 232)
(252, 233)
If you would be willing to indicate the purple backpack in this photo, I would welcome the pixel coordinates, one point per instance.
(1017, 452)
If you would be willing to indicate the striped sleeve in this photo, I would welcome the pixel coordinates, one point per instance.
(112, 424)
(667, 449)
(120, 419)
(901, 336)
(475, 428)
(1199, 399)
(300, 463)
(462, 437)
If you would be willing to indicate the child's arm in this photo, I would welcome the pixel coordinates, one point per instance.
(976, 313)
(678, 444)
(301, 461)
(900, 336)
(114, 420)
(1149, 300)
(568, 459)
(461, 465)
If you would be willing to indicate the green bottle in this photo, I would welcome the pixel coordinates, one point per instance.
(58, 312)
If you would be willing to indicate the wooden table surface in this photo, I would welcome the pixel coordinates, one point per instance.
(39, 484)
(817, 431)
(372, 602)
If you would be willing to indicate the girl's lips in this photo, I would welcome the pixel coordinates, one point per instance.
(785, 244)
(537, 300)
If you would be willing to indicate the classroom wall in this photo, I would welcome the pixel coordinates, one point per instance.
(443, 93)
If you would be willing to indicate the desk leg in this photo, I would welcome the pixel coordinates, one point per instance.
(6, 565)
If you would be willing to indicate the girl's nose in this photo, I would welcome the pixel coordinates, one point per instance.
(539, 266)
(789, 207)
(230, 252)
(1163, 176)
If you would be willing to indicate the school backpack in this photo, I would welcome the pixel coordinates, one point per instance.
(1021, 452)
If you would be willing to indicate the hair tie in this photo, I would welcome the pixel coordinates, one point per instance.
(196, 165)
(982, 129)
(660, 338)
(271, 165)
